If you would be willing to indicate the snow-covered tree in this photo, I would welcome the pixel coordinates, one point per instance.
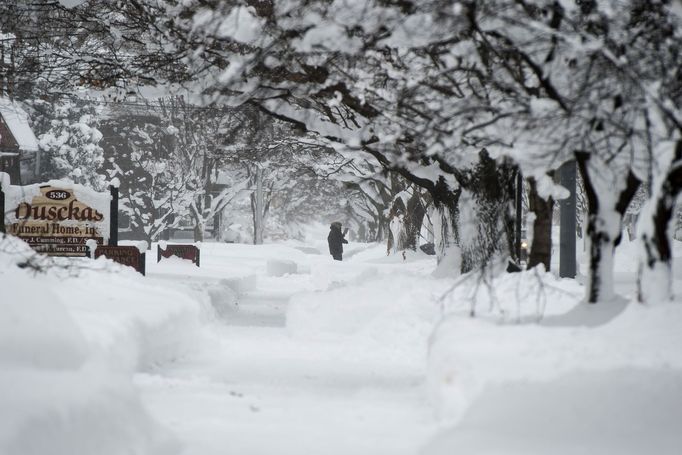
(424, 87)
(70, 142)
(139, 148)
(204, 141)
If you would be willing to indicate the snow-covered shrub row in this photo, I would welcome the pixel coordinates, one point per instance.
(69, 348)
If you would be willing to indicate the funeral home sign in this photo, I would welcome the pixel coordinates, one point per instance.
(57, 217)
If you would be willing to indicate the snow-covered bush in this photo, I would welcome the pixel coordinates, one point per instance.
(71, 144)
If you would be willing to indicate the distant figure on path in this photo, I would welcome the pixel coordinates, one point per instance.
(336, 241)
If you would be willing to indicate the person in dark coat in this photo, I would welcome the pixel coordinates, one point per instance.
(336, 241)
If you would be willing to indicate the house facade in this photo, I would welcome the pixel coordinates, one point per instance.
(19, 151)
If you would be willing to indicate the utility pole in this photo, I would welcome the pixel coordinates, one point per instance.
(567, 253)
(519, 215)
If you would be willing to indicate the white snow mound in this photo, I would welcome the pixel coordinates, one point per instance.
(281, 267)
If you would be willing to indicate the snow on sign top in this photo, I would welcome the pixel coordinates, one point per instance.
(17, 122)
(71, 3)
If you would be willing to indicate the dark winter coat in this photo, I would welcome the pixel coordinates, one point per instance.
(336, 241)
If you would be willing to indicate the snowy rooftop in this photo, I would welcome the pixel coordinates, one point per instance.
(17, 122)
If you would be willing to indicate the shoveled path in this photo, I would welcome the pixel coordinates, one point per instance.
(252, 389)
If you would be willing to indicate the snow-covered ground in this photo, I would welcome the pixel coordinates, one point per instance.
(278, 349)
(72, 335)
(308, 362)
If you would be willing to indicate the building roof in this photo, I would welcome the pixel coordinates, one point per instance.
(16, 120)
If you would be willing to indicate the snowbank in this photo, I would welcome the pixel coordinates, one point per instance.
(236, 264)
(35, 329)
(512, 297)
(627, 411)
(395, 313)
(137, 321)
(281, 267)
(372, 301)
(585, 376)
(223, 295)
(71, 338)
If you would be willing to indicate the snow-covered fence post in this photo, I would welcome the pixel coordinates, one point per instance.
(91, 246)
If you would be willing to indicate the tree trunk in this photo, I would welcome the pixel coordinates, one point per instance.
(541, 248)
(415, 219)
(199, 231)
(654, 278)
(405, 222)
(444, 218)
(217, 225)
(487, 213)
(396, 225)
(379, 232)
(362, 233)
(257, 208)
(604, 226)
(442, 222)
(430, 237)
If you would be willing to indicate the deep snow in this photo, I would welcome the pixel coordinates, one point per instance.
(279, 376)
(278, 349)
